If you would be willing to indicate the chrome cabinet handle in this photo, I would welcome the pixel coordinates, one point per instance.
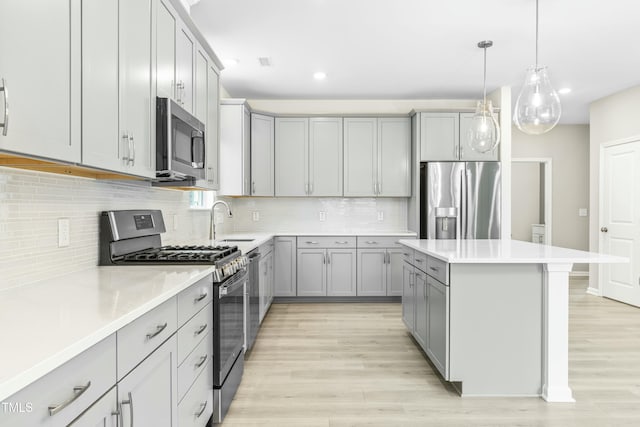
(201, 361)
(419, 260)
(200, 330)
(342, 243)
(371, 242)
(77, 392)
(328, 259)
(180, 87)
(130, 403)
(406, 254)
(411, 279)
(201, 411)
(324, 259)
(379, 188)
(311, 188)
(127, 158)
(388, 257)
(253, 187)
(455, 151)
(5, 123)
(132, 150)
(313, 242)
(201, 297)
(433, 269)
(159, 329)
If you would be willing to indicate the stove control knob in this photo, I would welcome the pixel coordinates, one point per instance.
(217, 275)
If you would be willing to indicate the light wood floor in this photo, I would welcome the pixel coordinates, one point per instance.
(356, 365)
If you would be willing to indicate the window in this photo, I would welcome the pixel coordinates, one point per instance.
(201, 199)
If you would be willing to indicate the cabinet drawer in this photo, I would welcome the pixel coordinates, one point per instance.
(192, 299)
(326, 242)
(194, 331)
(420, 260)
(140, 337)
(196, 407)
(265, 248)
(94, 370)
(407, 255)
(195, 363)
(379, 241)
(438, 269)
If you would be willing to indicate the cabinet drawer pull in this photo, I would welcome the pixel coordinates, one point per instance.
(203, 406)
(130, 403)
(201, 361)
(200, 330)
(311, 242)
(342, 243)
(406, 254)
(433, 269)
(77, 392)
(201, 297)
(5, 123)
(371, 242)
(419, 260)
(159, 329)
(132, 152)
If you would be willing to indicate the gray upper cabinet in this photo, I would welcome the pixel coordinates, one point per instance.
(443, 137)
(308, 156)
(41, 85)
(262, 151)
(291, 150)
(201, 90)
(118, 100)
(212, 129)
(377, 157)
(325, 157)
(235, 147)
(185, 48)
(166, 24)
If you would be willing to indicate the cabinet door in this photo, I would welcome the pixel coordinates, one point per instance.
(234, 146)
(312, 272)
(165, 50)
(246, 152)
(285, 267)
(466, 153)
(136, 98)
(439, 136)
(201, 89)
(184, 68)
(325, 157)
(341, 272)
(421, 309)
(408, 296)
(262, 150)
(395, 261)
(102, 144)
(103, 413)
(263, 271)
(438, 325)
(394, 157)
(360, 159)
(36, 44)
(212, 129)
(292, 157)
(372, 277)
(149, 392)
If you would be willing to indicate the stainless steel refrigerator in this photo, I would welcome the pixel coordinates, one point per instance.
(460, 200)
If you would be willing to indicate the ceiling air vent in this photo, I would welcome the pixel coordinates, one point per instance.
(265, 61)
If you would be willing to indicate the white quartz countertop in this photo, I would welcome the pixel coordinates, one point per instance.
(505, 252)
(45, 324)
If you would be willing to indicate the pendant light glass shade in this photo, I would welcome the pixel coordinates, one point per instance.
(483, 134)
(538, 106)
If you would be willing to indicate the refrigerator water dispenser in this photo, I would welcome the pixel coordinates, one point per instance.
(446, 220)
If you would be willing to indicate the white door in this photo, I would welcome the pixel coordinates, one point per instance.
(620, 221)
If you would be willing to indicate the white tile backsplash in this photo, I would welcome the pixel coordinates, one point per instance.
(31, 203)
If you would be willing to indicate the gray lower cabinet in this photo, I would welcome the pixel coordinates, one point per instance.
(265, 270)
(420, 284)
(438, 325)
(408, 297)
(150, 390)
(395, 260)
(326, 272)
(380, 272)
(285, 267)
(103, 413)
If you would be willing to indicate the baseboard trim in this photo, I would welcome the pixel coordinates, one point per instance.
(594, 291)
(579, 274)
(286, 300)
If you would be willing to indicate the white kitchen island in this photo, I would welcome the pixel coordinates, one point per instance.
(500, 327)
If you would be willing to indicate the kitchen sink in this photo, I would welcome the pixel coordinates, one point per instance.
(237, 240)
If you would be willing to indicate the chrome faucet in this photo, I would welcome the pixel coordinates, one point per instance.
(212, 228)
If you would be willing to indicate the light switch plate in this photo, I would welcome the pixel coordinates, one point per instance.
(63, 232)
(380, 215)
(256, 215)
(322, 215)
(583, 212)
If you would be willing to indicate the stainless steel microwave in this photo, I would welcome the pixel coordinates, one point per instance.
(180, 143)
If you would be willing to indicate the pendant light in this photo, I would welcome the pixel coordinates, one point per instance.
(538, 106)
(484, 132)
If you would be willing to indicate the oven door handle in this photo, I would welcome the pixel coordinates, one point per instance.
(232, 287)
(197, 135)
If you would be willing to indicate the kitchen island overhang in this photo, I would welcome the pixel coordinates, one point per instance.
(507, 315)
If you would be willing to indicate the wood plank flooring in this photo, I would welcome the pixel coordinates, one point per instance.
(335, 365)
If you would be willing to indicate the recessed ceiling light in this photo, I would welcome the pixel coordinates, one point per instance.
(230, 62)
(319, 75)
(564, 90)
(264, 61)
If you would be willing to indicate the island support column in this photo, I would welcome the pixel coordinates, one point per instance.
(555, 335)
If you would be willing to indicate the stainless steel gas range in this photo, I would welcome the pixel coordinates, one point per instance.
(132, 237)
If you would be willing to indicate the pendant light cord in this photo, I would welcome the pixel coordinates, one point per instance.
(484, 81)
(536, 35)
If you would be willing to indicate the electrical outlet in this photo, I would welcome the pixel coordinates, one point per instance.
(175, 222)
(380, 215)
(583, 212)
(322, 215)
(256, 215)
(63, 232)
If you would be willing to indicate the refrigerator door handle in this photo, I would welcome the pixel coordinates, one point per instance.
(462, 217)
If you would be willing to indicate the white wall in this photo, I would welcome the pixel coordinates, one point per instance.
(32, 202)
(525, 199)
(613, 118)
(568, 147)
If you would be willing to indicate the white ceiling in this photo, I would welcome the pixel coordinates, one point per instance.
(422, 49)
